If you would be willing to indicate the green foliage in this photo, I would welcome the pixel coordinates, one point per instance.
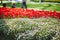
(35, 0)
(30, 29)
(51, 0)
(46, 0)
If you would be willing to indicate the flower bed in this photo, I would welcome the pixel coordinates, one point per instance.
(29, 13)
(30, 29)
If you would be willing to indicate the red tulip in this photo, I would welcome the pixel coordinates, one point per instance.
(30, 13)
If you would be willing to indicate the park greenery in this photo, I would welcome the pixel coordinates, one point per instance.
(42, 6)
(46, 0)
(31, 29)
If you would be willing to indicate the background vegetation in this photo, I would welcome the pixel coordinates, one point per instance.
(46, 0)
(36, 6)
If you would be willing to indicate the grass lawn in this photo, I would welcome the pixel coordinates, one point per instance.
(30, 29)
(38, 6)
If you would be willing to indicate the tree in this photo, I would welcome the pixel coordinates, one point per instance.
(1, 1)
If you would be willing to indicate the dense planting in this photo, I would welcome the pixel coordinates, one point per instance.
(29, 13)
(44, 27)
(30, 29)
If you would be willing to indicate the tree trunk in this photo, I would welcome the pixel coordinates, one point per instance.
(39, 1)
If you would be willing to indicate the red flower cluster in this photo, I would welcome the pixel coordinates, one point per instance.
(30, 13)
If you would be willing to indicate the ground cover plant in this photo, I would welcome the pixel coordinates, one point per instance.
(30, 29)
